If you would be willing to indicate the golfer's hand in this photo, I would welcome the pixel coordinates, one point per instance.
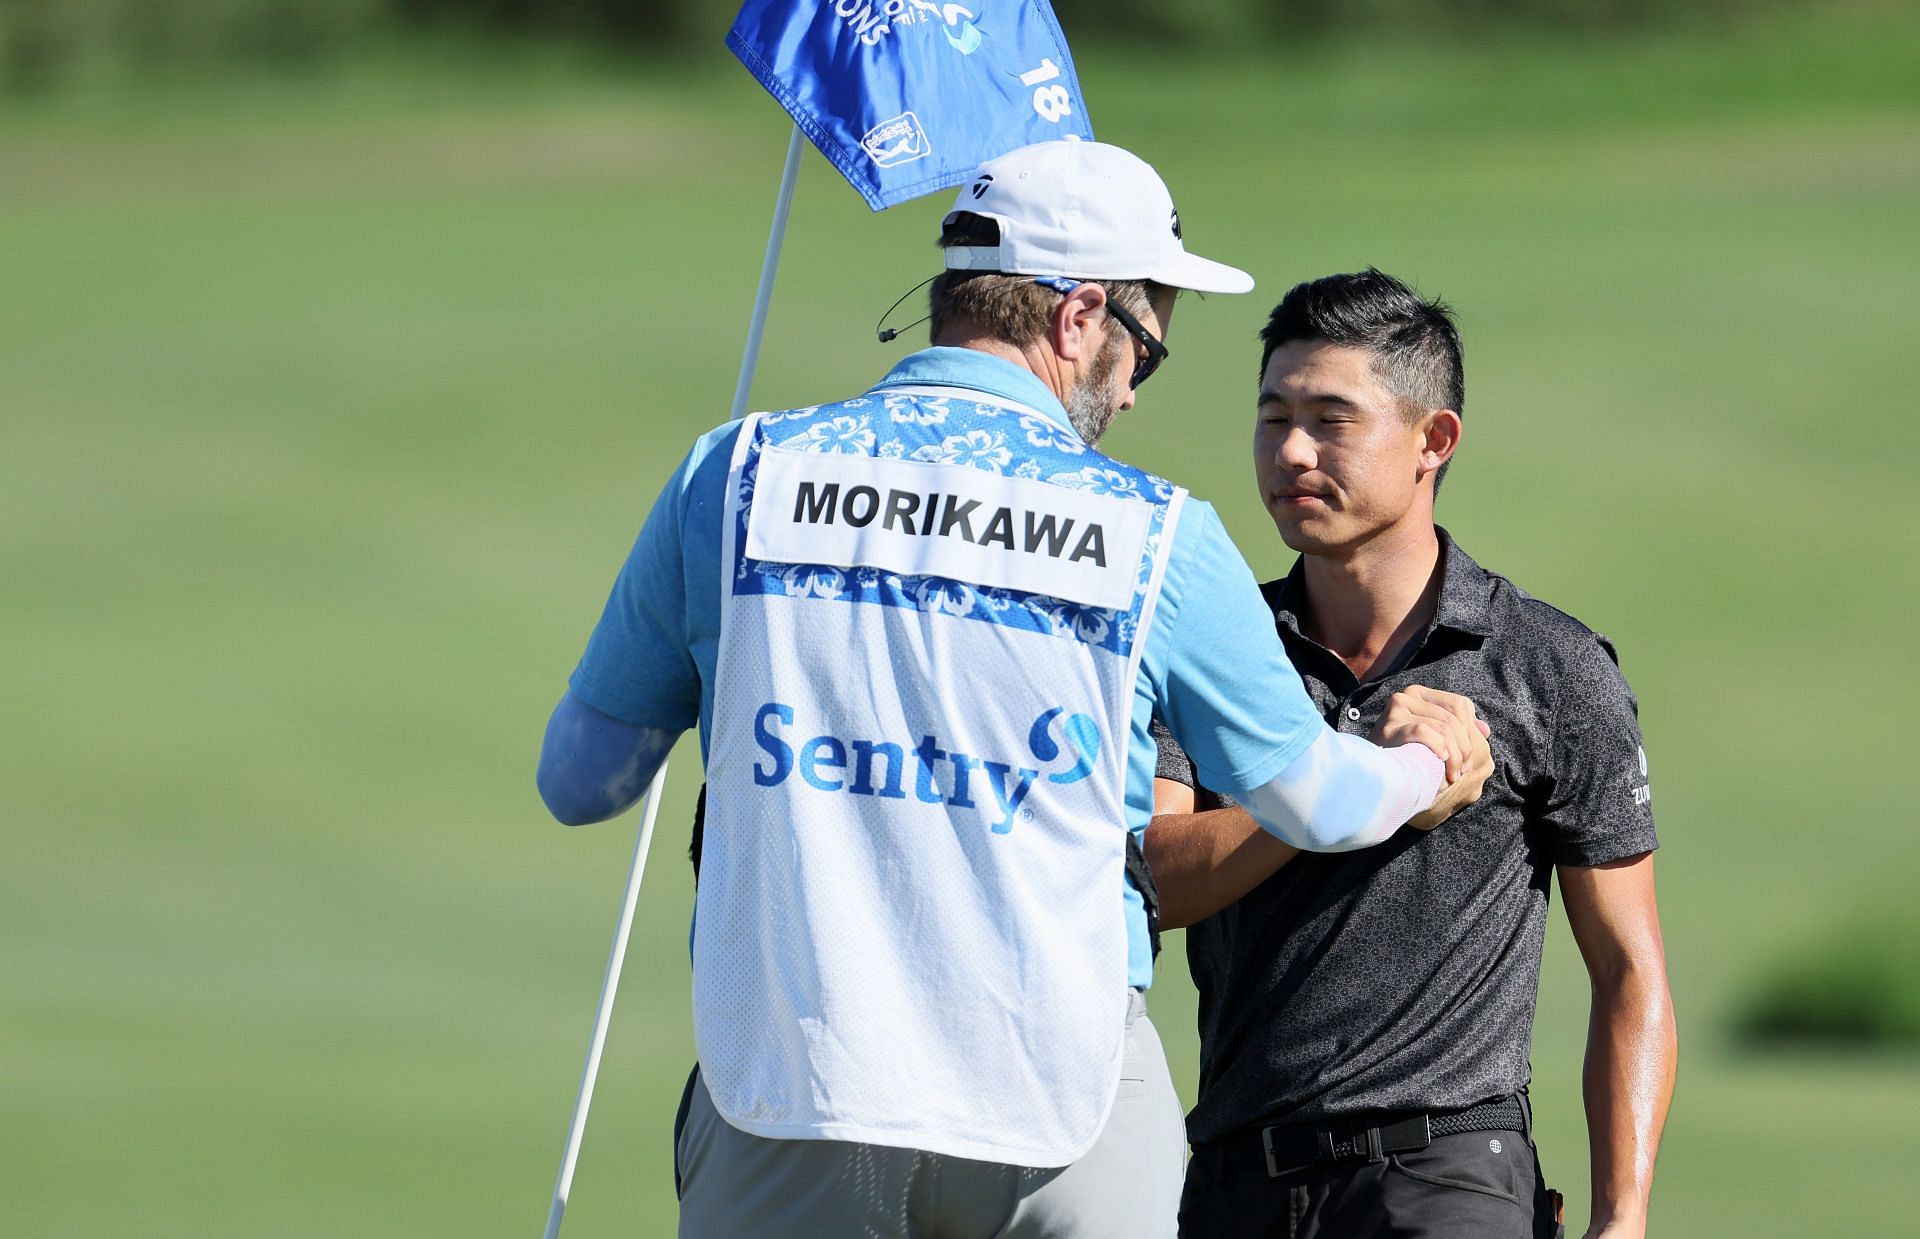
(1617, 1230)
(1448, 724)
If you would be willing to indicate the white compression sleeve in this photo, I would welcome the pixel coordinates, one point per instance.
(1344, 793)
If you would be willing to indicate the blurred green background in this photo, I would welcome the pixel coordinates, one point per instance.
(343, 347)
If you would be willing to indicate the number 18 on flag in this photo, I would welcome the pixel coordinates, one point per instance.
(907, 97)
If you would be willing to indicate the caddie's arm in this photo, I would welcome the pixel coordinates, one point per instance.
(1344, 793)
(637, 687)
(593, 766)
(1632, 1041)
(1229, 696)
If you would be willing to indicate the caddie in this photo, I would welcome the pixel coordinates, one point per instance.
(922, 632)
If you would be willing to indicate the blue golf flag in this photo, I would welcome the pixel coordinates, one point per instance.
(907, 97)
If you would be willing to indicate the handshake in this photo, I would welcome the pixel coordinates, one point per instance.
(1448, 724)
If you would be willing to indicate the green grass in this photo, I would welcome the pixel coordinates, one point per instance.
(331, 406)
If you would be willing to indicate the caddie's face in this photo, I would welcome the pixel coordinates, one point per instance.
(1336, 459)
(1112, 367)
(1118, 370)
(1106, 388)
(1156, 320)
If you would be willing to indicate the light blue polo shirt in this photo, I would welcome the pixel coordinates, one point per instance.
(1215, 671)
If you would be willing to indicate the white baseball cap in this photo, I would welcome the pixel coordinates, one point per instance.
(1084, 210)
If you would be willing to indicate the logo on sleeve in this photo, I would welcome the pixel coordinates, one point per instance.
(1643, 794)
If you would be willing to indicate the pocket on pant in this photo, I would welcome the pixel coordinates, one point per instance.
(1493, 1163)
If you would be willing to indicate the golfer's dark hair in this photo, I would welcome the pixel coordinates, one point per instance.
(1414, 343)
(1009, 308)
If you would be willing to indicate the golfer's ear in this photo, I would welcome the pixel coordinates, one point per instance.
(1441, 431)
(1077, 322)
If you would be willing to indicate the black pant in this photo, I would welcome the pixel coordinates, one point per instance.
(1475, 1185)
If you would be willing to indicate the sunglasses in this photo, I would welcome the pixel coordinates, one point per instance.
(1156, 352)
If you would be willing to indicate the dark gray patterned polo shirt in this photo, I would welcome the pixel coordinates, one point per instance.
(1403, 976)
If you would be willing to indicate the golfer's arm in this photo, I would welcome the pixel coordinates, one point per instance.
(1632, 1042)
(1203, 862)
(593, 766)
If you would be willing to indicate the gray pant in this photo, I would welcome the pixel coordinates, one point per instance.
(1127, 1186)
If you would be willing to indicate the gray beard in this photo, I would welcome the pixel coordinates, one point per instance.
(1090, 412)
(1091, 408)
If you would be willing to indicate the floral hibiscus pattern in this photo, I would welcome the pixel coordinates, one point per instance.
(845, 436)
(977, 449)
(917, 410)
(1098, 480)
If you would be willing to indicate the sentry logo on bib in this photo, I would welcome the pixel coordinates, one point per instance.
(858, 766)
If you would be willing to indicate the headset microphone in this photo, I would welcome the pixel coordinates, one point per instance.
(887, 334)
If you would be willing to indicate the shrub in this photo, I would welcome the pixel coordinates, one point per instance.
(43, 40)
(1859, 984)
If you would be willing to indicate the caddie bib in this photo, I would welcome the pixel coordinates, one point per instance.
(909, 927)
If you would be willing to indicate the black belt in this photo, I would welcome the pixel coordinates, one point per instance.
(1295, 1146)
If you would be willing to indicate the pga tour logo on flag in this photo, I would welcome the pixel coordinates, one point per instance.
(896, 140)
(907, 97)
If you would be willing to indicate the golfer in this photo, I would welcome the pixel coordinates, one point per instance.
(922, 631)
(1339, 1097)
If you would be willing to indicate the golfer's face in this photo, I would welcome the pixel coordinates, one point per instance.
(1335, 457)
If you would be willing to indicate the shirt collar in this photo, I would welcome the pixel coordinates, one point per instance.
(976, 371)
(1464, 585)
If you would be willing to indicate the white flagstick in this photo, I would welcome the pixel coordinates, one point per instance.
(630, 899)
(577, 1128)
(764, 297)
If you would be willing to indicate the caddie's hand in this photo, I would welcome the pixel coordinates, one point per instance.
(1448, 724)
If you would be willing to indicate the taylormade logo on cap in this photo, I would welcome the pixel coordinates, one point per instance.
(1084, 210)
